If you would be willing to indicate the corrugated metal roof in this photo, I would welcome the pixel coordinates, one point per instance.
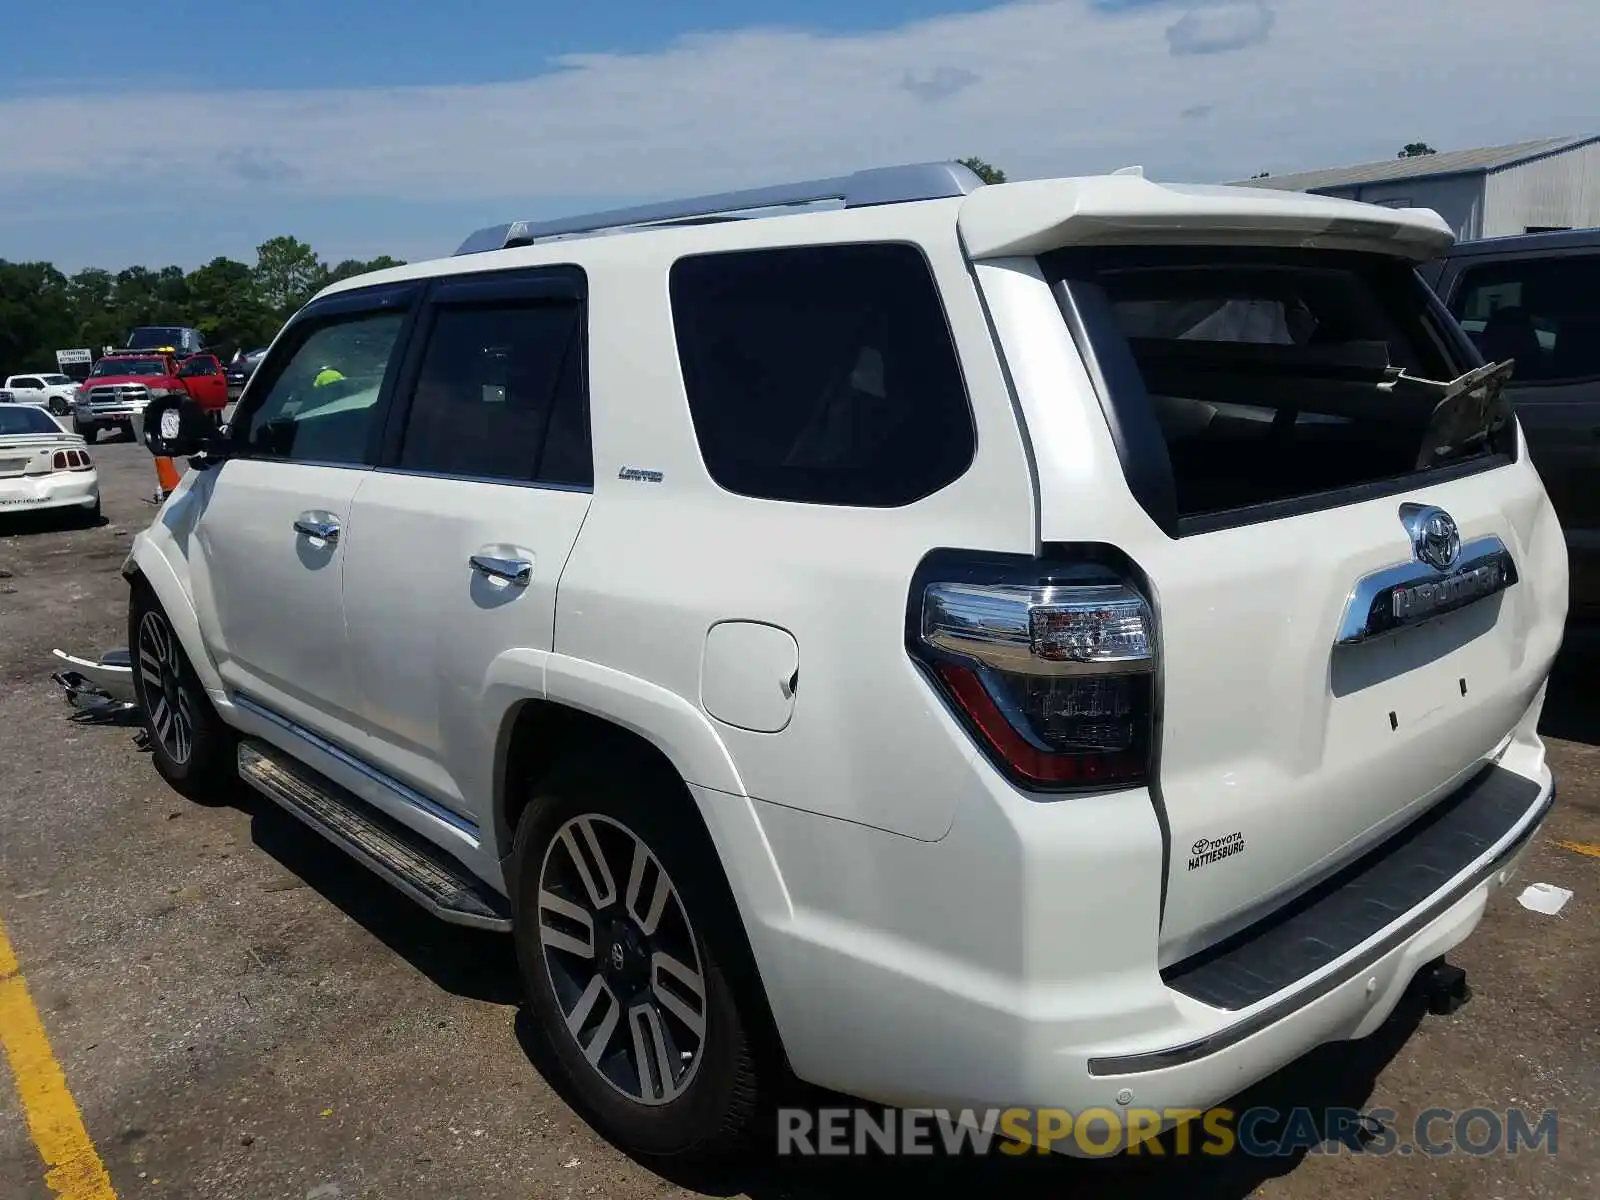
(1453, 162)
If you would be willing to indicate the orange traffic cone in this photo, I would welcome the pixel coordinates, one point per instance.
(166, 477)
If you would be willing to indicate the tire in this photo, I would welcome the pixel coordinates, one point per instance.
(87, 432)
(582, 929)
(58, 406)
(191, 748)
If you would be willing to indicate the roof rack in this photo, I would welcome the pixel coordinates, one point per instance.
(862, 189)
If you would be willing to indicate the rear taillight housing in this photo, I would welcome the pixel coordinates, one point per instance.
(1051, 667)
(70, 460)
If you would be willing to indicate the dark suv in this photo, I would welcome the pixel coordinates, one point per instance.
(1535, 298)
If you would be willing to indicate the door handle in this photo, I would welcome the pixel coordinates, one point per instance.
(322, 526)
(516, 571)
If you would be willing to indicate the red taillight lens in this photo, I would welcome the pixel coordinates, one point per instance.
(1055, 679)
(70, 460)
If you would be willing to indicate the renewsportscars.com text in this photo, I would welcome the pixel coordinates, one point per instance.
(1259, 1132)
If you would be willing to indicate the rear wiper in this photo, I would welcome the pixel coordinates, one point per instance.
(1468, 410)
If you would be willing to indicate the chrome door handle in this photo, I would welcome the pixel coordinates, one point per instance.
(317, 525)
(516, 571)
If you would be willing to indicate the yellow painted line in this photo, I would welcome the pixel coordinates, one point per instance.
(1590, 848)
(75, 1171)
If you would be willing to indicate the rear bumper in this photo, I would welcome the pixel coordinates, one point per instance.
(1015, 963)
(67, 490)
(1230, 980)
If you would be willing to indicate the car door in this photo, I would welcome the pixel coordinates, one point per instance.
(462, 531)
(1544, 311)
(203, 379)
(27, 389)
(270, 541)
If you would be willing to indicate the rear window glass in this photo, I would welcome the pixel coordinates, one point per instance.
(1274, 375)
(822, 374)
(14, 421)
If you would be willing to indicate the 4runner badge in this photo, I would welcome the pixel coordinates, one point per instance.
(1209, 850)
(639, 475)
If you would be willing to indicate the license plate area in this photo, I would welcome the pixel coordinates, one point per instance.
(1413, 593)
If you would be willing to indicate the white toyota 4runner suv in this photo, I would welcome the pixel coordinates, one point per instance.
(1065, 643)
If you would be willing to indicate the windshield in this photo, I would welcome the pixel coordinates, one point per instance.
(152, 336)
(55, 380)
(25, 420)
(129, 366)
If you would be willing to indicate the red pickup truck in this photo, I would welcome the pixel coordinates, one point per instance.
(122, 384)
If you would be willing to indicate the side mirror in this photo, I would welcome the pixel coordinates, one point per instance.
(178, 427)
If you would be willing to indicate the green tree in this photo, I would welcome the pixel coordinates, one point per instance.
(287, 274)
(1416, 150)
(984, 171)
(352, 267)
(92, 295)
(36, 315)
(235, 306)
(228, 309)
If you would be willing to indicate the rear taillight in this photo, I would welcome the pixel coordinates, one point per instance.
(70, 460)
(1051, 667)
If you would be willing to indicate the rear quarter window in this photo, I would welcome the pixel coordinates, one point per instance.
(822, 374)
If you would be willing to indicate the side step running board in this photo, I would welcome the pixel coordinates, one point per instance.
(405, 859)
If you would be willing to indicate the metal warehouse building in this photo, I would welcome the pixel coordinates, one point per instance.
(1525, 188)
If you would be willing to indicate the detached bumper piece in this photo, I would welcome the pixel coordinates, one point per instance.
(102, 686)
(1372, 894)
(407, 861)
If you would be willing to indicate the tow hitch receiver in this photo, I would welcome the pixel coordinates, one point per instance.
(1444, 986)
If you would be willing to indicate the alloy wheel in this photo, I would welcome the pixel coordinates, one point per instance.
(623, 959)
(171, 721)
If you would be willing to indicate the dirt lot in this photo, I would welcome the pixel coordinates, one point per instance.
(240, 1012)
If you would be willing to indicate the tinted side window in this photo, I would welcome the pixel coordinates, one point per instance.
(822, 374)
(27, 381)
(1545, 313)
(499, 395)
(322, 405)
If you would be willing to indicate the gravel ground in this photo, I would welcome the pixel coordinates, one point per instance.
(241, 1012)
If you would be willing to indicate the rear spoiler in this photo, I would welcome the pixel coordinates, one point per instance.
(1030, 218)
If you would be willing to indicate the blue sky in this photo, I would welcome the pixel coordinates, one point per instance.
(172, 131)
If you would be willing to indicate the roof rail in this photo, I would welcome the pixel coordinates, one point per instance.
(876, 185)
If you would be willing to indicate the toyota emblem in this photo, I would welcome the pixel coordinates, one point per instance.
(1435, 540)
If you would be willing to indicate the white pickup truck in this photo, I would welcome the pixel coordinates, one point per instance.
(52, 391)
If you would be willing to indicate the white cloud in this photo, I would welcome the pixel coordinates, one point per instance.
(1218, 28)
(1039, 88)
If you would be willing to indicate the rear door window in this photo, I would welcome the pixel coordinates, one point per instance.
(499, 395)
(822, 374)
(1543, 312)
